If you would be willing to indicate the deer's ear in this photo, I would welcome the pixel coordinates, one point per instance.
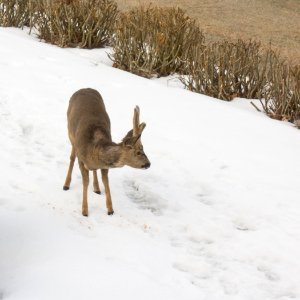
(127, 142)
(131, 141)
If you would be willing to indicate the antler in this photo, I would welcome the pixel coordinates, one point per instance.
(137, 127)
(136, 121)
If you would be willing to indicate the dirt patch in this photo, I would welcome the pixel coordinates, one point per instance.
(272, 21)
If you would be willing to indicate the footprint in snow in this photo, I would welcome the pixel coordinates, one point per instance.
(229, 288)
(26, 129)
(286, 296)
(204, 199)
(223, 167)
(204, 194)
(141, 195)
(4, 111)
(196, 259)
(269, 274)
(243, 225)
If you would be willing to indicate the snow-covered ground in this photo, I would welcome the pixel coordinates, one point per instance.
(217, 216)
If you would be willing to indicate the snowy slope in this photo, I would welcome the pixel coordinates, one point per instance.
(217, 216)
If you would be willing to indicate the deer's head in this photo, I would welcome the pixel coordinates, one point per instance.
(132, 148)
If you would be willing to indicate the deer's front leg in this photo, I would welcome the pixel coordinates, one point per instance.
(69, 175)
(85, 183)
(104, 173)
(96, 183)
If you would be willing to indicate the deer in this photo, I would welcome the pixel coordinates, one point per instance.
(89, 132)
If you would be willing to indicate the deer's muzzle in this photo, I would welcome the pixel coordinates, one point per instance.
(146, 166)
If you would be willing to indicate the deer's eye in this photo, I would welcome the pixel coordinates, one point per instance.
(139, 153)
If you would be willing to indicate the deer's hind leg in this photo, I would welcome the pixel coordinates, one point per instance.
(69, 174)
(85, 183)
(96, 182)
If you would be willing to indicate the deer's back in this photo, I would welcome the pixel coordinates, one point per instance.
(87, 113)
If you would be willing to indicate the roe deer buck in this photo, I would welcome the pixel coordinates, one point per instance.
(90, 136)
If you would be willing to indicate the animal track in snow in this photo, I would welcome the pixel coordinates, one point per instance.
(26, 129)
(196, 258)
(243, 225)
(223, 167)
(229, 288)
(287, 295)
(205, 194)
(203, 198)
(269, 274)
(4, 111)
(143, 197)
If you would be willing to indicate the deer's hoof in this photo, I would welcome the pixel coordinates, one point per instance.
(65, 188)
(97, 192)
(110, 213)
(85, 213)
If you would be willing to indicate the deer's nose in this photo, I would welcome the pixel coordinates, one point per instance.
(146, 166)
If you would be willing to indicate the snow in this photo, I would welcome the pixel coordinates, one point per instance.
(215, 217)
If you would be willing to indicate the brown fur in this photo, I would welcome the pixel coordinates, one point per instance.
(90, 136)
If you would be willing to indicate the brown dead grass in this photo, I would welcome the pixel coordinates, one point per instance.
(274, 21)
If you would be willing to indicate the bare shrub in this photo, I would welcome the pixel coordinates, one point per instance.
(76, 23)
(15, 13)
(226, 70)
(152, 41)
(281, 97)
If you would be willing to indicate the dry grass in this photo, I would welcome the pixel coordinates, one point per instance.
(274, 21)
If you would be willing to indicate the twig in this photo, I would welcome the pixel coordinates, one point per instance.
(255, 106)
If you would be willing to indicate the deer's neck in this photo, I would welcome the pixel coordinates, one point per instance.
(105, 156)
